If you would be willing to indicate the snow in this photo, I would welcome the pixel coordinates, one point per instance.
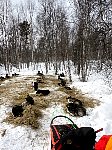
(18, 138)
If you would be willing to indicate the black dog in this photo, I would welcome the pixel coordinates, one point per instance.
(39, 73)
(15, 74)
(2, 78)
(70, 107)
(29, 100)
(17, 110)
(76, 108)
(63, 82)
(35, 85)
(62, 75)
(43, 92)
(7, 76)
(67, 87)
(74, 100)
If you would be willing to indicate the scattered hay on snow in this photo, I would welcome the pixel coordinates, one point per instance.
(30, 117)
(87, 102)
(33, 113)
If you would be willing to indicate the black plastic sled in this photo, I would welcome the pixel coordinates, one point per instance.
(70, 137)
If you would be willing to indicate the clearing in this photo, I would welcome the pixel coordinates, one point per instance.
(33, 127)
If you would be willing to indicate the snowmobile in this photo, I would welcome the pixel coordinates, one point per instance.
(70, 137)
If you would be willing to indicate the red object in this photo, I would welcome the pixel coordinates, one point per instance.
(101, 144)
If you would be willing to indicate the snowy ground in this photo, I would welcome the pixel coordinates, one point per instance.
(19, 138)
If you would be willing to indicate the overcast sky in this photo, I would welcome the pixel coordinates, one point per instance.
(68, 4)
(65, 2)
(16, 2)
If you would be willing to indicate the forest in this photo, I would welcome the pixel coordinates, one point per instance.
(47, 32)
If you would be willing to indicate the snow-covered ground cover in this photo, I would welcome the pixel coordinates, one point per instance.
(18, 138)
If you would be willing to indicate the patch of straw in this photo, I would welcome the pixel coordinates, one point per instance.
(30, 117)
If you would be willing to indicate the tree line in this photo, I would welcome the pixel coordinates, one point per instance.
(48, 33)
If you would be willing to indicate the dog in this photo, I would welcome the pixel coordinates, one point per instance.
(43, 92)
(35, 85)
(62, 83)
(17, 110)
(29, 100)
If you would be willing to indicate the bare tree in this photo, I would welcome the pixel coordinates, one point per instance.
(31, 10)
(5, 19)
(82, 45)
(54, 31)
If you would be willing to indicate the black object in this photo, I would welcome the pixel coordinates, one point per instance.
(35, 86)
(2, 78)
(79, 139)
(62, 74)
(74, 100)
(15, 74)
(39, 73)
(43, 92)
(70, 137)
(29, 100)
(76, 110)
(7, 76)
(62, 82)
(75, 107)
(17, 110)
(67, 87)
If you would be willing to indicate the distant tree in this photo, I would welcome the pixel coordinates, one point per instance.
(92, 35)
(82, 44)
(31, 9)
(5, 20)
(54, 30)
(24, 28)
